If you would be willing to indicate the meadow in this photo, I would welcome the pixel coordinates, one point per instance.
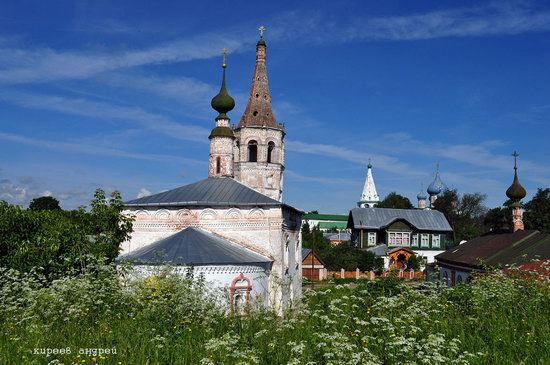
(167, 319)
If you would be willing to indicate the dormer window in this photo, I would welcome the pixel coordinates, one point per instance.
(252, 151)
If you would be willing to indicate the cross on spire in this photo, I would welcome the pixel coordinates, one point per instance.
(516, 155)
(261, 29)
(224, 57)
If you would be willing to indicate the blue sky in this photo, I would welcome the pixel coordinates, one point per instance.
(117, 95)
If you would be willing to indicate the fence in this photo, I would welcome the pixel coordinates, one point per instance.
(370, 275)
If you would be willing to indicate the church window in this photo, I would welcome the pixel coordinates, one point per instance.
(257, 95)
(240, 290)
(372, 239)
(252, 151)
(218, 165)
(270, 148)
(425, 240)
(436, 240)
(399, 238)
(414, 242)
(255, 113)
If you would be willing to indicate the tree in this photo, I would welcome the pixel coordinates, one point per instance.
(394, 200)
(498, 219)
(537, 211)
(44, 203)
(465, 213)
(344, 256)
(58, 240)
(313, 238)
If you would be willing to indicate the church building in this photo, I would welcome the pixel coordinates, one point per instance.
(231, 227)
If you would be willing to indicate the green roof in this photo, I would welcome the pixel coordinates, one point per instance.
(326, 217)
(329, 225)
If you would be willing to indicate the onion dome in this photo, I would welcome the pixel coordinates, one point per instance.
(223, 102)
(516, 192)
(437, 186)
(422, 195)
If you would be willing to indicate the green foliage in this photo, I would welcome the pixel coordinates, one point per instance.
(415, 262)
(465, 213)
(44, 203)
(537, 211)
(169, 319)
(498, 218)
(344, 256)
(313, 238)
(55, 240)
(394, 200)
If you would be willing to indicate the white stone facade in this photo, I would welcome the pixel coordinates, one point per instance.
(220, 162)
(261, 175)
(219, 278)
(273, 232)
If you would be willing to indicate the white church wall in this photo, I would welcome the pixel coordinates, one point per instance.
(218, 279)
(271, 232)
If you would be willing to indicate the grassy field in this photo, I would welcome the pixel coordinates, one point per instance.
(167, 320)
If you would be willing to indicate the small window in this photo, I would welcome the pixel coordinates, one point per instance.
(414, 240)
(218, 165)
(252, 151)
(255, 113)
(372, 239)
(270, 148)
(436, 241)
(257, 95)
(425, 240)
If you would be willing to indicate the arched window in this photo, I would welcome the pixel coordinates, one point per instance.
(218, 165)
(239, 293)
(270, 148)
(252, 151)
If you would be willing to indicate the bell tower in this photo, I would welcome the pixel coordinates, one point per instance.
(515, 193)
(220, 162)
(259, 147)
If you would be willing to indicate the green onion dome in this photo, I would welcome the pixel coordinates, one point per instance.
(223, 102)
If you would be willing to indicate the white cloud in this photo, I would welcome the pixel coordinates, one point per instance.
(94, 109)
(494, 19)
(27, 65)
(12, 193)
(91, 149)
(383, 162)
(46, 193)
(143, 192)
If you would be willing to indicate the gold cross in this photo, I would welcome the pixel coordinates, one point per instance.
(261, 29)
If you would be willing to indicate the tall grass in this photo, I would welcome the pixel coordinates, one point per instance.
(168, 319)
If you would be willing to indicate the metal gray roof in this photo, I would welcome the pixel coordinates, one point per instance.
(378, 250)
(212, 191)
(195, 247)
(342, 236)
(377, 218)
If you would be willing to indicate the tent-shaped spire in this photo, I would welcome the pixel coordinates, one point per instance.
(258, 111)
(369, 197)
